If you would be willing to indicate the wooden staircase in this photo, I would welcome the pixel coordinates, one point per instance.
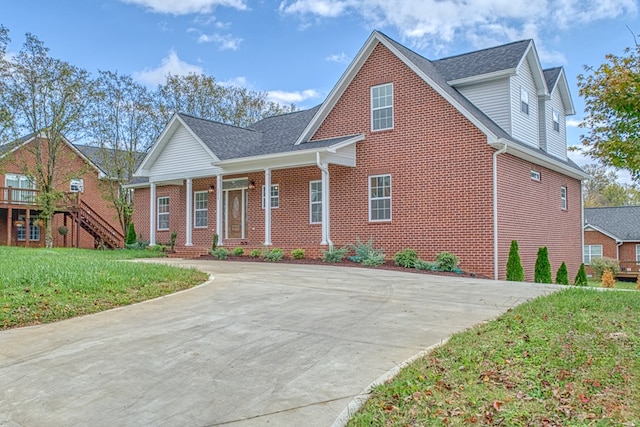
(188, 252)
(104, 234)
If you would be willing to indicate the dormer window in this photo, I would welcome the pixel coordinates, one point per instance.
(524, 101)
(382, 107)
(556, 120)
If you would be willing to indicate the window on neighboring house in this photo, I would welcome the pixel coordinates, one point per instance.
(201, 209)
(380, 198)
(382, 107)
(275, 196)
(535, 175)
(524, 101)
(315, 202)
(563, 198)
(22, 183)
(590, 252)
(76, 185)
(556, 120)
(163, 213)
(34, 231)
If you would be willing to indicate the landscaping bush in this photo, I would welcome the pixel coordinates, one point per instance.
(447, 261)
(220, 253)
(542, 272)
(131, 235)
(273, 255)
(420, 264)
(581, 277)
(608, 281)
(172, 240)
(515, 272)
(405, 258)
(255, 253)
(297, 254)
(373, 259)
(334, 254)
(238, 251)
(600, 265)
(562, 276)
(214, 242)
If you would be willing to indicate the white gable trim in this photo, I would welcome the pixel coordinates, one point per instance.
(563, 87)
(483, 77)
(532, 59)
(600, 230)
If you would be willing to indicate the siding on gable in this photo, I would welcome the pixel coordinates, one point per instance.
(181, 153)
(556, 141)
(493, 99)
(524, 127)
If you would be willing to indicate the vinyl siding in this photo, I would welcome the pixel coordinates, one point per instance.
(524, 127)
(182, 153)
(493, 99)
(556, 141)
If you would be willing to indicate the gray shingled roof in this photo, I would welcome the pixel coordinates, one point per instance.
(94, 154)
(620, 221)
(482, 61)
(5, 148)
(551, 76)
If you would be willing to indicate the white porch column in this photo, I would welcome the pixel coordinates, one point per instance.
(219, 209)
(152, 214)
(189, 230)
(267, 207)
(326, 240)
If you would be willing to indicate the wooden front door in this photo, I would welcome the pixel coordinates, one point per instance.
(235, 214)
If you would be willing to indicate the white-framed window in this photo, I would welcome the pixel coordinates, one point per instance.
(201, 209)
(637, 254)
(590, 252)
(21, 183)
(535, 175)
(275, 196)
(315, 202)
(382, 107)
(380, 198)
(563, 198)
(163, 213)
(76, 185)
(555, 115)
(524, 101)
(34, 231)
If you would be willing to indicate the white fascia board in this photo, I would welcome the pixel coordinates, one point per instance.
(483, 77)
(563, 87)
(600, 230)
(159, 183)
(531, 56)
(204, 173)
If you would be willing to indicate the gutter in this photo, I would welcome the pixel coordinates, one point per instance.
(495, 209)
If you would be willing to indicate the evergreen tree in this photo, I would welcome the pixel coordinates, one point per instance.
(543, 267)
(562, 276)
(581, 277)
(131, 235)
(515, 272)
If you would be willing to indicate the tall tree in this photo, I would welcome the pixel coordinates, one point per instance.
(122, 125)
(6, 120)
(45, 97)
(612, 104)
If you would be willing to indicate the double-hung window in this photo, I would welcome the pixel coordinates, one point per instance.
(637, 254)
(20, 186)
(275, 196)
(524, 101)
(590, 252)
(163, 213)
(382, 107)
(380, 198)
(563, 198)
(34, 231)
(200, 209)
(315, 202)
(556, 120)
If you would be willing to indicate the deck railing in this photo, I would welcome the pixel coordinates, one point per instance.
(29, 197)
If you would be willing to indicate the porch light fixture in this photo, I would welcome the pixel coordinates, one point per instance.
(212, 188)
(252, 185)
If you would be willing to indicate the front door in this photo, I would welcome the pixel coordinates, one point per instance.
(235, 214)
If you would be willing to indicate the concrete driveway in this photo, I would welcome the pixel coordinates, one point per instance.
(259, 345)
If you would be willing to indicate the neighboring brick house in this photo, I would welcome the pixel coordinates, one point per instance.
(89, 219)
(463, 154)
(613, 232)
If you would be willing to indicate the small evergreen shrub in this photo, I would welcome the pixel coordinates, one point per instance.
(214, 242)
(131, 235)
(238, 251)
(608, 281)
(273, 255)
(562, 276)
(373, 259)
(515, 272)
(172, 240)
(420, 264)
(447, 261)
(297, 254)
(255, 253)
(220, 253)
(581, 277)
(600, 265)
(405, 258)
(334, 254)
(542, 272)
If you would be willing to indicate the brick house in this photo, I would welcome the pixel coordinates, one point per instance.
(90, 220)
(613, 232)
(462, 154)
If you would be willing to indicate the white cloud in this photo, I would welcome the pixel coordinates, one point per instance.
(240, 81)
(323, 8)
(338, 57)
(171, 64)
(224, 41)
(573, 123)
(184, 7)
(286, 98)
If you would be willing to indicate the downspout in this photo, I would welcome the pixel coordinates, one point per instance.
(325, 199)
(495, 209)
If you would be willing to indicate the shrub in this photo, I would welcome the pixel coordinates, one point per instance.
(297, 254)
(515, 272)
(405, 258)
(238, 251)
(172, 240)
(138, 244)
(581, 277)
(420, 264)
(334, 254)
(255, 253)
(220, 253)
(273, 255)
(373, 259)
(608, 281)
(214, 242)
(157, 248)
(131, 235)
(447, 261)
(562, 276)
(600, 265)
(542, 272)
(64, 230)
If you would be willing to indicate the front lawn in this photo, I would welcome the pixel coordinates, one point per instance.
(46, 285)
(568, 359)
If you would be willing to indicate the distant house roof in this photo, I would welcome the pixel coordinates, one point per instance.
(95, 155)
(623, 222)
(551, 76)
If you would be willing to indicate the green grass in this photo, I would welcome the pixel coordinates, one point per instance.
(618, 285)
(46, 285)
(568, 359)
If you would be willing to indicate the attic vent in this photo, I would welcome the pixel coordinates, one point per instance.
(535, 175)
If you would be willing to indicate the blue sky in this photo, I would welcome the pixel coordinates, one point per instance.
(296, 50)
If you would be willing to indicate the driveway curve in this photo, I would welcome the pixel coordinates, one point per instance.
(259, 345)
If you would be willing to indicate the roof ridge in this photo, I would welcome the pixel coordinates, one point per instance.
(483, 50)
